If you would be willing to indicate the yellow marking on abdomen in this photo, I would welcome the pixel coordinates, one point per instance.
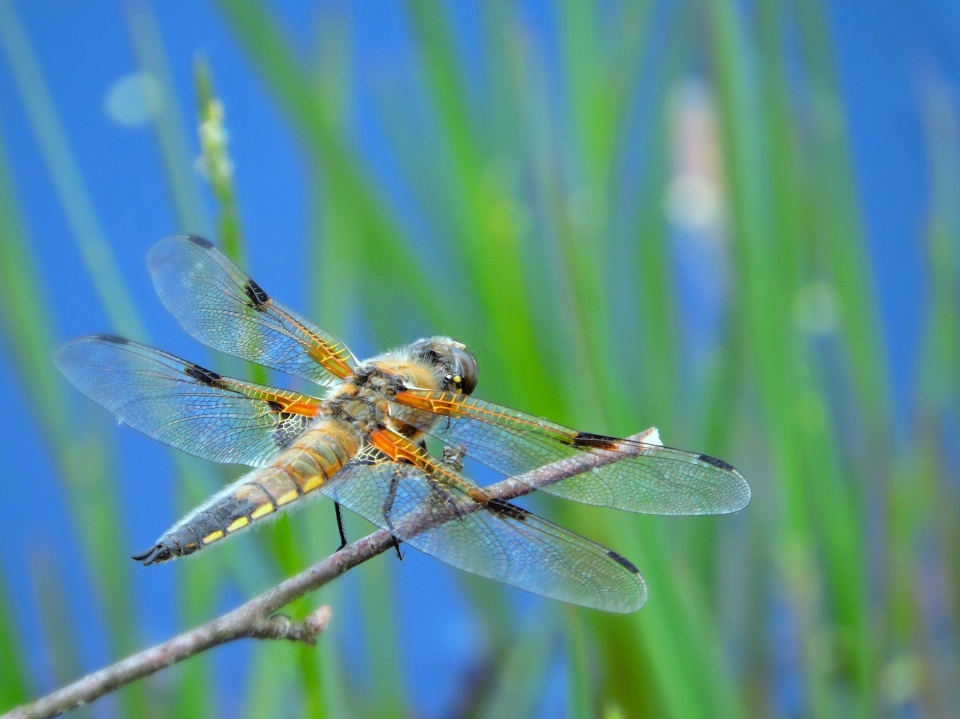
(313, 483)
(213, 536)
(287, 497)
(238, 523)
(262, 510)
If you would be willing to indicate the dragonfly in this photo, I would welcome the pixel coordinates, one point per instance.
(362, 442)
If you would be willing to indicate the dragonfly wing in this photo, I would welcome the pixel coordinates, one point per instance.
(482, 535)
(218, 304)
(183, 404)
(642, 477)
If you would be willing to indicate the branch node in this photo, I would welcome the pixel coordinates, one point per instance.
(280, 626)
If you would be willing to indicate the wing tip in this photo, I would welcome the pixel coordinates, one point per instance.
(158, 255)
(63, 356)
(639, 596)
(736, 496)
(636, 602)
(740, 493)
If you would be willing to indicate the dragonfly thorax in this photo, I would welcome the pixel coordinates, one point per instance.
(362, 400)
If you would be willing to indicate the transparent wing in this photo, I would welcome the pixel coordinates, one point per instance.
(183, 404)
(478, 534)
(647, 478)
(219, 305)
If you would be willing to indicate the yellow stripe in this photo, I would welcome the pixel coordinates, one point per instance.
(238, 523)
(312, 484)
(262, 510)
(213, 536)
(288, 497)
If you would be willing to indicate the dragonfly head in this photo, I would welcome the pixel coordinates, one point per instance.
(457, 367)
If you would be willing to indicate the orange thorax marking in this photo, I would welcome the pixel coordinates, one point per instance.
(437, 406)
(330, 361)
(304, 408)
(382, 440)
(400, 449)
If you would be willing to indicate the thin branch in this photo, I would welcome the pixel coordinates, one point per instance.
(257, 619)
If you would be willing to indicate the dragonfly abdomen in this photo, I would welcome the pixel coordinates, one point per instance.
(298, 471)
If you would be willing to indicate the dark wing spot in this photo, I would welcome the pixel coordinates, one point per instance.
(595, 441)
(499, 506)
(623, 561)
(715, 462)
(199, 241)
(275, 406)
(113, 338)
(203, 376)
(256, 294)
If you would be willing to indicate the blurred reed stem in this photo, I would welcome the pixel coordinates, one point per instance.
(13, 682)
(66, 175)
(80, 455)
(169, 125)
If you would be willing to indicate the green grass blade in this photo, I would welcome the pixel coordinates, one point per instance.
(850, 265)
(491, 244)
(13, 675)
(169, 124)
(519, 684)
(59, 635)
(374, 231)
(80, 455)
(579, 691)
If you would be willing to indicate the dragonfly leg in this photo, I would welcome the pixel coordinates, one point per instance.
(391, 497)
(440, 493)
(388, 507)
(343, 537)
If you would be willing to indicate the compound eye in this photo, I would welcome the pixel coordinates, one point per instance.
(466, 379)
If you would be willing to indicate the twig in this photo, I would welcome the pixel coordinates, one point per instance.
(257, 619)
